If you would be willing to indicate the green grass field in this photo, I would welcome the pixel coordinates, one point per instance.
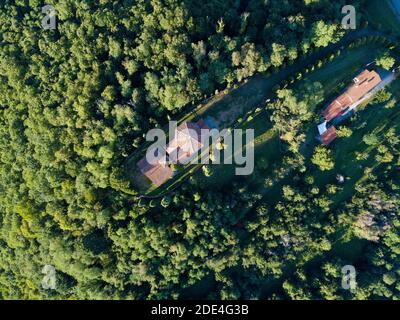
(334, 77)
(381, 15)
(374, 118)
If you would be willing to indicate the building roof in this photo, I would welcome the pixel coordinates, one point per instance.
(362, 84)
(186, 143)
(158, 173)
(328, 136)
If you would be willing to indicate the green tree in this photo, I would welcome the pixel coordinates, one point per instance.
(322, 158)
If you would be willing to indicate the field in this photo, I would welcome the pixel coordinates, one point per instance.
(381, 14)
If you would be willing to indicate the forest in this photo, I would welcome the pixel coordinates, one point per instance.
(77, 101)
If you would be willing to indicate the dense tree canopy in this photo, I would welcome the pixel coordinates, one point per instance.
(76, 101)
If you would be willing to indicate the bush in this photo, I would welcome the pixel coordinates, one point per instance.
(323, 158)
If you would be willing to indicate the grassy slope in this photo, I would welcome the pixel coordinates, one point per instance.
(334, 76)
(381, 15)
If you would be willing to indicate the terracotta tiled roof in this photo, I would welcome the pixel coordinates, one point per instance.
(157, 173)
(187, 140)
(328, 136)
(186, 143)
(363, 84)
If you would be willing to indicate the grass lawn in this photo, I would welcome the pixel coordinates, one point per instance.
(338, 73)
(334, 76)
(374, 118)
(224, 173)
(381, 14)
